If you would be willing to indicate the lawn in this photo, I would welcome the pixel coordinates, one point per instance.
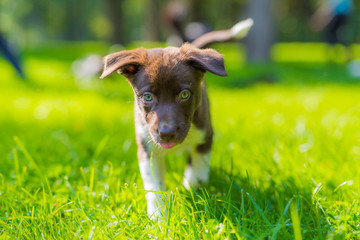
(285, 162)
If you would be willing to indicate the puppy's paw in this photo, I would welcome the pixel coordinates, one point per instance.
(156, 209)
(193, 178)
(154, 205)
(153, 212)
(187, 184)
(190, 179)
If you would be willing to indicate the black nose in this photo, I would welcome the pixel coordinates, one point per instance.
(167, 132)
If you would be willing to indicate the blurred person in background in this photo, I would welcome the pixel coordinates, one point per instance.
(332, 17)
(10, 56)
(174, 16)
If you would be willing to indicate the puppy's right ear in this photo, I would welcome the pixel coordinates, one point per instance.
(127, 62)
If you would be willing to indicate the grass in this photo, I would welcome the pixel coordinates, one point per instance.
(285, 161)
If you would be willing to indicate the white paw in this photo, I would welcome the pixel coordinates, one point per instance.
(187, 184)
(193, 178)
(154, 205)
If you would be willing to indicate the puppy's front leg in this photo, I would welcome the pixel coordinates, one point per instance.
(153, 178)
(198, 169)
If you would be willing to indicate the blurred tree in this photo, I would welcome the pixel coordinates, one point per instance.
(291, 17)
(75, 29)
(152, 20)
(116, 16)
(262, 35)
(197, 9)
(121, 21)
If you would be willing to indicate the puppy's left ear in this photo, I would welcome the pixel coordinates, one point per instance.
(204, 59)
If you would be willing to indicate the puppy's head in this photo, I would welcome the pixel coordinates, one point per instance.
(167, 86)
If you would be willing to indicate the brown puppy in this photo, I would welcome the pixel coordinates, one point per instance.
(171, 110)
(170, 104)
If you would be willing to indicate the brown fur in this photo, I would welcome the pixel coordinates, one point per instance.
(165, 73)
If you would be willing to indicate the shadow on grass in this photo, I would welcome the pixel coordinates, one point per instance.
(258, 212)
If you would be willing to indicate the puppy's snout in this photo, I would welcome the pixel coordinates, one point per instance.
(167, 132)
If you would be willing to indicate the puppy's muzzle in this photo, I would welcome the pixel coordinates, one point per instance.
(168, 133)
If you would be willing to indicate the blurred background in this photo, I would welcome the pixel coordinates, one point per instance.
(51, 59)
(29, 22)
(27, 25)
(51, 54)
(54, 49)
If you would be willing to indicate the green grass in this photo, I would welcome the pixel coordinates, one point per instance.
(285, 161)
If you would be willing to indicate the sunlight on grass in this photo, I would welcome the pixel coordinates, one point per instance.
(291, 52)
(308, 52)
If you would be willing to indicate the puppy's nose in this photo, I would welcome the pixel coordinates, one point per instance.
(167, 132)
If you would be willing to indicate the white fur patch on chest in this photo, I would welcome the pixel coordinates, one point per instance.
(195, 137)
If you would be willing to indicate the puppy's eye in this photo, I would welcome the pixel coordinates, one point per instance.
(147, 97)
(185, 94)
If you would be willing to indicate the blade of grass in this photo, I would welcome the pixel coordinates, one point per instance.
(296, 221)
(33, 162)
(91, 182)
(101, 146)
(26, 154)
(83, 175)
(17, 167)
(259, 210)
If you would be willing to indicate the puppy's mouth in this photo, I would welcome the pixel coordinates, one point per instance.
(168, 145)
(165, 143)
(168, 141)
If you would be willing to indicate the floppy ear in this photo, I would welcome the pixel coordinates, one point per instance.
(127, 62)
(204, 59)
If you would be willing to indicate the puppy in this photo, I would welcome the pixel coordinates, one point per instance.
(171, 109)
